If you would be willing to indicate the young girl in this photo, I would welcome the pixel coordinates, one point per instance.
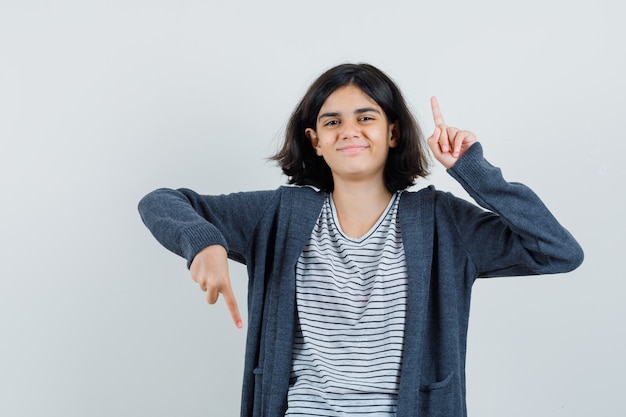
(359, 290)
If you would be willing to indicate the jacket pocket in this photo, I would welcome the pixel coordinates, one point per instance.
(436, 399)
(435, 385)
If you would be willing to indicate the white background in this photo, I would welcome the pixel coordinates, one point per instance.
(103, 101)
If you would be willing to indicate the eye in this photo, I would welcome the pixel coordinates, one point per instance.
(365, 118)
(332, 122)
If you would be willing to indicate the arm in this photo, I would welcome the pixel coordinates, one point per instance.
(205, 230)
(519, 236)
(186, 222)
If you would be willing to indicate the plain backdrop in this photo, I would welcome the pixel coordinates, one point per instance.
(103, 101)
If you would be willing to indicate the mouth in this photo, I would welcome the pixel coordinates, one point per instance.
(351, 148)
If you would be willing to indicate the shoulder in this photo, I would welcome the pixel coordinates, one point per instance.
(412, 198)
(430, 203)
(286, 194)
(301, 198)
(305, 192)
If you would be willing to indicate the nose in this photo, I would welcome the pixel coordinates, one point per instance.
(350, 129)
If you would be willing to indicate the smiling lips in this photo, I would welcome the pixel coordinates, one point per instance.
(351, 148)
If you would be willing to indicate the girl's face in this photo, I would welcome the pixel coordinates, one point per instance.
(353, 135)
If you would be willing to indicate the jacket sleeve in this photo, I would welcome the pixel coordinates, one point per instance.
(517, 235)
(185, 222)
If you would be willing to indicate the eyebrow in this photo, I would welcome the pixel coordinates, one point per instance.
(357, 111)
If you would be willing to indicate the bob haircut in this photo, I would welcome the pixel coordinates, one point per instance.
(405, 162)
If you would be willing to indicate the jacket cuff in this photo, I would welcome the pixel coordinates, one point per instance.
(472, 167)
(195, 238)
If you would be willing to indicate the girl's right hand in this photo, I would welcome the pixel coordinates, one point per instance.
(448, 143)
(209, 269)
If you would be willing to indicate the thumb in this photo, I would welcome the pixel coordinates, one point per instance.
(433, 142)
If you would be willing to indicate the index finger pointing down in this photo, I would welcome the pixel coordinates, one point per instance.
(231, 303)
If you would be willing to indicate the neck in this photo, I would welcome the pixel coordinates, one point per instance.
(360, 205)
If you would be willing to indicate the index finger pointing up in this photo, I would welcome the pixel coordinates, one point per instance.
(436, 111)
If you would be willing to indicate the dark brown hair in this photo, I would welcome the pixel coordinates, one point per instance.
(405, 162)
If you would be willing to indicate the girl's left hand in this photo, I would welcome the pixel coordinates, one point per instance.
(448, 144)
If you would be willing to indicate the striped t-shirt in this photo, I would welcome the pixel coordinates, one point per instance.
(351, 304)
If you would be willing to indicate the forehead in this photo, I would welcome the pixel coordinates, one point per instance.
(349, 96)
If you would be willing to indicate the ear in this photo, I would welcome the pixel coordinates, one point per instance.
(394, 134)
(311, 134)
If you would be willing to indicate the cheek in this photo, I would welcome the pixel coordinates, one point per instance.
(324, 142)
(319, 147)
